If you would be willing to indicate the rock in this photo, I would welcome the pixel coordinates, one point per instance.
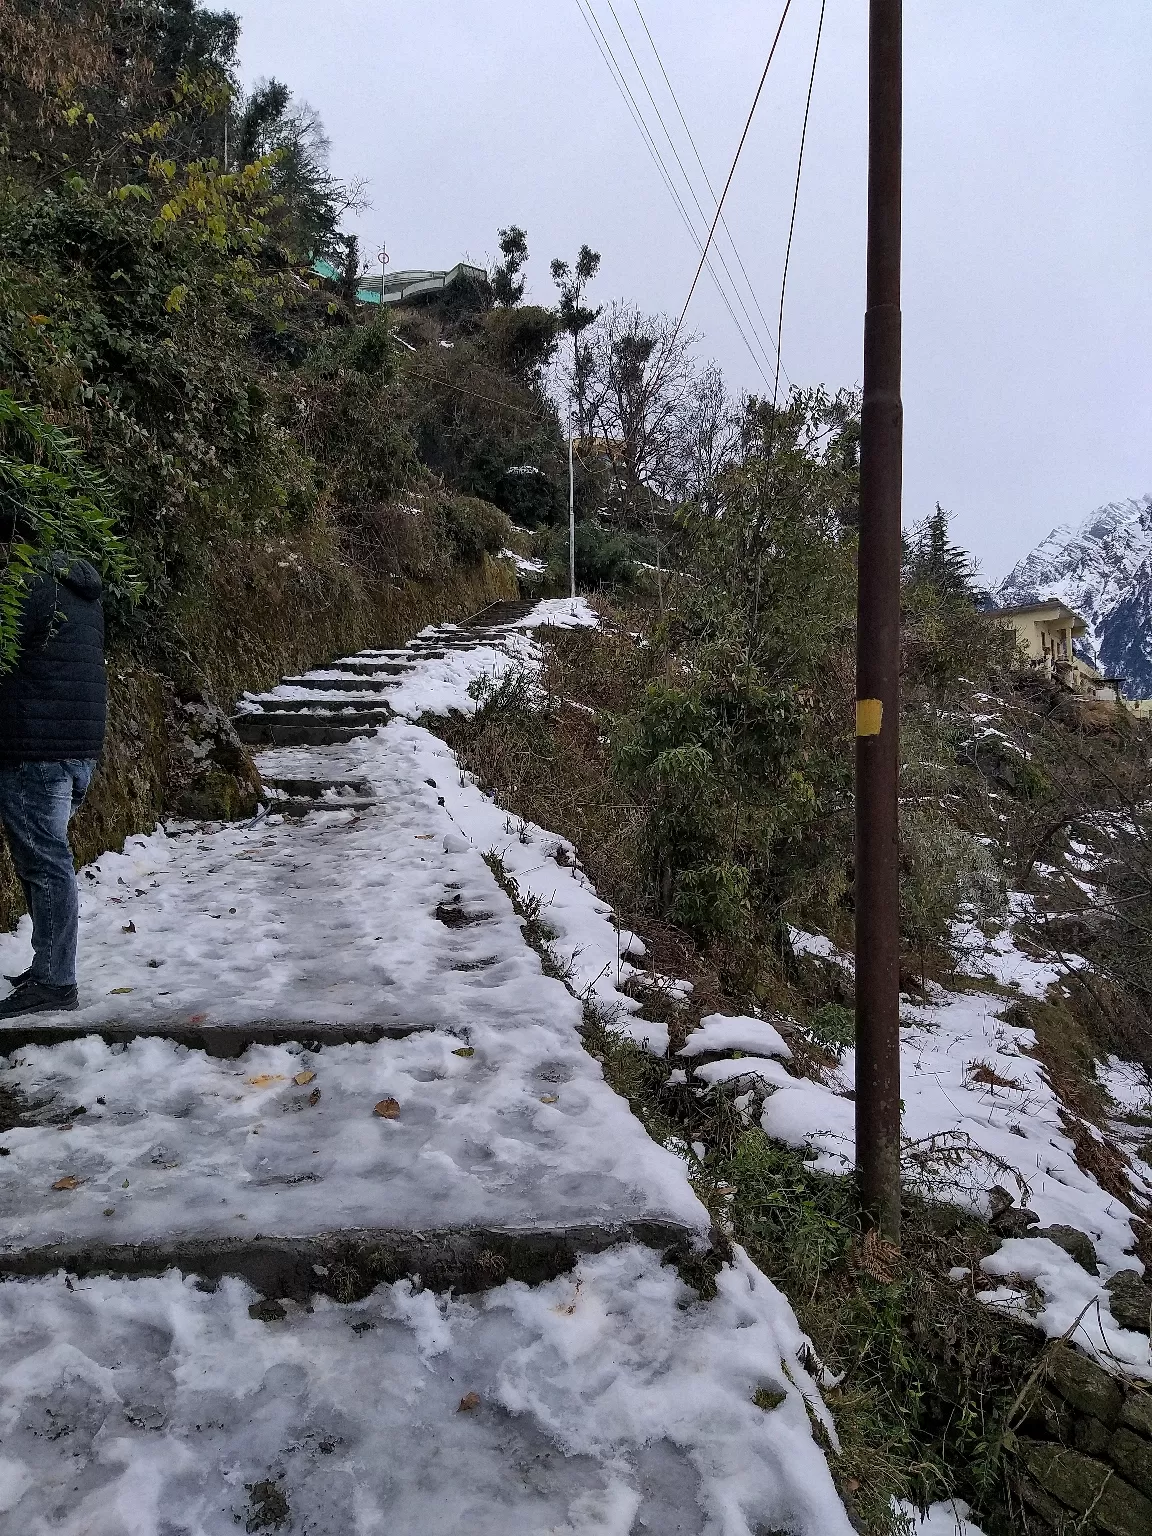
(1083, 1484)
(211, 775)
(1085, 1385)
(267, 1311)
(1015, 1222)
(1045, 1507)
(999, 1201)
(1137, 1412)
(1048, 1417)
(1078, 1245)
(1131, 1455)
(1090, 1436)
(1130, 1300)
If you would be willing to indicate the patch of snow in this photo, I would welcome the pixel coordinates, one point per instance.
(818, 946)
(1073, 1300)
(1126, 1084)
(524, 564)
(721, 1032)
(949, 1518)
(763, 1067)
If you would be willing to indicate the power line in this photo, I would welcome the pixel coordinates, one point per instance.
(609, 57)
(735, 163)
(704, 173)
(689, 184)
(795, 201)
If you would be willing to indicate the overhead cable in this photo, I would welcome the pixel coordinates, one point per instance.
(688, 182)
(735, 163)
(604, 46)
(707, 179)
(795, 201)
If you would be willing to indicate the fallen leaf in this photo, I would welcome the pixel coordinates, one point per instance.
(425, 837)
(69, 1181)
(303, 1077)
(314, 1096)
(109, 1210)
(469, 1401)
(128, 927)
(465, 1050)
(387, 1109)
(264, 1079)
(197, 1018)
(550, 1098)
(118, 991)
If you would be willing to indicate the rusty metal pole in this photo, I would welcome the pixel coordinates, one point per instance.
(878, 648)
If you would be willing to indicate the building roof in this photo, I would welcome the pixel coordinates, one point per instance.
(1050, 609)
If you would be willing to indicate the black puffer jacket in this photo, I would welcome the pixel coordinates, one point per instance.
(53, 705)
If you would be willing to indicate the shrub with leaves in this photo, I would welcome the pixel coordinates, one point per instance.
(53, 502)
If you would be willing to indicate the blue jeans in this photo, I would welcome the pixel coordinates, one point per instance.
(37, 801)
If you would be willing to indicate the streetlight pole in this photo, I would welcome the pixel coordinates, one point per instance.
(878, 648)
(571, 511)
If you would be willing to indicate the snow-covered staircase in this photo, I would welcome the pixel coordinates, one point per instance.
(335, 703)
(318, 1217)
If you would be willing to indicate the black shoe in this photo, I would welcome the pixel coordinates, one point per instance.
(38, 997)
(18, 981)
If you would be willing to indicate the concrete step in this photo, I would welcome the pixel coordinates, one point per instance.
(288, 730)
(338, 709)
(367, 668)
(349, 1264)
(339, 684)
(317, 788)
(226, 1041)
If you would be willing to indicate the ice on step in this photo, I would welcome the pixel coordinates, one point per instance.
(608, 1401)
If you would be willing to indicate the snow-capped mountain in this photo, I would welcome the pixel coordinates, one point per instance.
(1102, 570)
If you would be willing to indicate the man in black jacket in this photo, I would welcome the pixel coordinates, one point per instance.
(52, 713)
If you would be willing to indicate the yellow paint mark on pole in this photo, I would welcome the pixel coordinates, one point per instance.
(869, 714)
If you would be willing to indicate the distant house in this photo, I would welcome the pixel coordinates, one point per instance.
(1046, 632)
(412, 287)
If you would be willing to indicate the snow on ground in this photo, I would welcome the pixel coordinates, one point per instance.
(724, 1032)
(949, 1518)
(978, 1112)
(605, 1402)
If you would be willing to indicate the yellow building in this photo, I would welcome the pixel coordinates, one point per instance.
(1045, 633)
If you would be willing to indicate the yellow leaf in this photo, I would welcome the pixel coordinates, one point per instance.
(387, 1109)
(176, 298)
(303, 1077)
(265, 1079)
(465, 1050)
(69, 1181)
(550, 1098)
(118, 991)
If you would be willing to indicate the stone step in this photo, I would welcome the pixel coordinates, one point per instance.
(316, 788)
(288, 730)
(366, 668)
(336, 708)
(339, 684)
(349, 1264)
(398, 1156)
(225, 1041)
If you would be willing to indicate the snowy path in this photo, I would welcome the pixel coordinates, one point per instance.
(481, 1140)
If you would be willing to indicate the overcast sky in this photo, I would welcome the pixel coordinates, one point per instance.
(1028, 232)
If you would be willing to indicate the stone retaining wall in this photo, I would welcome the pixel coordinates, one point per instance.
(1084, 1450)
